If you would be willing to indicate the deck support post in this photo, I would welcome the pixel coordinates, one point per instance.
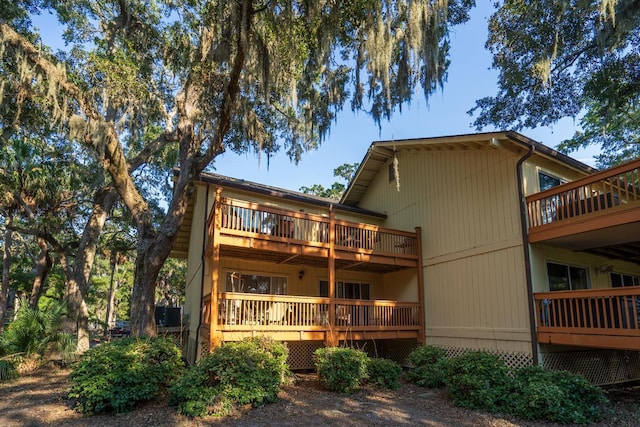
(214, 339)
(331, 335)
(421, 313)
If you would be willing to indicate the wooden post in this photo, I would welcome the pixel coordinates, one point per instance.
(330, 337)
(421, 332)
(214, 339)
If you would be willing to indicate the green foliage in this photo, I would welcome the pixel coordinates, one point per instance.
(36, 331)
(557, 396)
(557, 61)
(341, 369)
(478, 380)
(117, 375)
(7, 369)
(383, 373)
(429, 366)
(238, 373)
(345, 171)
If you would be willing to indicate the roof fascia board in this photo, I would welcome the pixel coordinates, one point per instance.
(261, 189)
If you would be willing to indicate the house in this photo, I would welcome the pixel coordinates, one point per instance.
(485, 241)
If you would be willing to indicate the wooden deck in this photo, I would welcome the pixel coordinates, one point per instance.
(601, 210)
(297, 318)
(249, 230)
(602, 318)
(241, 229)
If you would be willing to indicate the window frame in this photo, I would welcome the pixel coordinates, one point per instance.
(340, 289)
(271, 276)
(635, 279)
(568, 267)
(542, 172)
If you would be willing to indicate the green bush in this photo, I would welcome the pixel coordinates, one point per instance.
(557, 396)
(7, 370)
(384, 373)
(429, 366)
(238, 373)
(341, 369)
(35, 331)
(478, 380)
(117, 375)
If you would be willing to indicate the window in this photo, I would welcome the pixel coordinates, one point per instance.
(255, 283)
(619, 280)
(547, 181)
(567, 277)
(346, 290)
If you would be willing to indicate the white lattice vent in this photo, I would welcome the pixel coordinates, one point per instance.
(599, 367)
(513, 360)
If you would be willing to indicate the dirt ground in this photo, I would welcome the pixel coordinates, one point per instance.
(40, 399)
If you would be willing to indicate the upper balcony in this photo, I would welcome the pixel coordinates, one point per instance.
(252, 231)
(599, 213)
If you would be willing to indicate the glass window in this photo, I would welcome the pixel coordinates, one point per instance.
(547, 181)
(346, 290)
(255, 283)
(619, 280)
(567, 277)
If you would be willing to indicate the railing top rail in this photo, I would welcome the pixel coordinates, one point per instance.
(313, 217)
(598, 176)
(307, 299)
(376, 303)
(586, 293)
(270, 297)
(273, 210)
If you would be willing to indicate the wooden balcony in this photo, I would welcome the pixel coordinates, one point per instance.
(251, 231)
(297, 318)
(602, 318)
(599, 213)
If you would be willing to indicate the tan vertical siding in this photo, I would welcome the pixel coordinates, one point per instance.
(467, 205)
(194, 260)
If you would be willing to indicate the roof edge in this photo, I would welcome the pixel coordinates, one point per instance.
(257, 188)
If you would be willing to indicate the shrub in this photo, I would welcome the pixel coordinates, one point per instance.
(341, 369)
(7, 370)
(36, 331)
(478, 380)
(558, 396)
(429, 366)
(384, 373)
(117, 375)
(238, 373)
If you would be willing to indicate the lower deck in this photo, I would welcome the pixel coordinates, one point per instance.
(298, 318)
(600, 318)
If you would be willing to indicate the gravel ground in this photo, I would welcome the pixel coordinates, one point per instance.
(40, 399)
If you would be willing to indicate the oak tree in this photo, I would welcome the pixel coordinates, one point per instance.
(145, 81)
(559, 59)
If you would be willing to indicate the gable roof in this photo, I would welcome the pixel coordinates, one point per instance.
(380, 152)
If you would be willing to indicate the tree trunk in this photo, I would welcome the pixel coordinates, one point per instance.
(6, 265)
(113, 288)
(153, 250)
(43, 267)
(78, 276)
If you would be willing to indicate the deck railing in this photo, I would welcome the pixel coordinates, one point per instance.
(609, 189)
(610, 312)
(249, 219)
(268, 312)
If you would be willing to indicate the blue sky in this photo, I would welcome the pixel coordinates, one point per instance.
(469, 78)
